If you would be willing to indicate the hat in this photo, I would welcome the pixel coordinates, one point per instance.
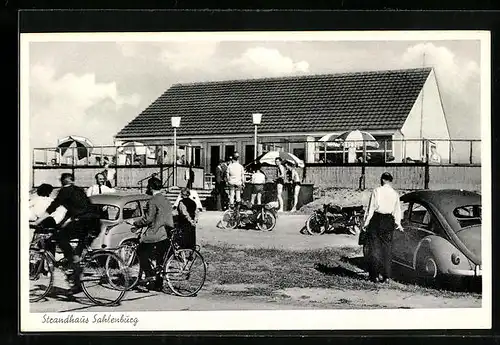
(236, 155)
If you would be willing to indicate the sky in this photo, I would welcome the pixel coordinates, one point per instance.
(93, 89)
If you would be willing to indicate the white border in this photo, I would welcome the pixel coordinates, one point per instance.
(473, 318)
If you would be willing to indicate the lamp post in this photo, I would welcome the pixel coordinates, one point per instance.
(176, 122)
(256, 118)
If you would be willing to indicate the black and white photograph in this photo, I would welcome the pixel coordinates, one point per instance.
(255, 180)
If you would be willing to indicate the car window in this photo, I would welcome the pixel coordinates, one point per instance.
(131, 210)
(468, 215)
(419, 214)
(108, 212)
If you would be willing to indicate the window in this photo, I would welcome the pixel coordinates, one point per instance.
(300, 153)
(108, 212)
(468, 215)
(420, 215)
(131, 210)
(336, 153)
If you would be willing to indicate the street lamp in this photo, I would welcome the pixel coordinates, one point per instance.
(256, 118)
(176, 122)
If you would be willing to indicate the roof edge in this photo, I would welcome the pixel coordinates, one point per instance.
(301, 76)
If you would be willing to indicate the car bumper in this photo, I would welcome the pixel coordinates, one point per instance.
(477, 272)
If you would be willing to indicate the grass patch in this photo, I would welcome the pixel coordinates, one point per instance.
(282, 269)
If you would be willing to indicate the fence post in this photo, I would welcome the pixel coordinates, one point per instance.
(470, 152)
(449, 152)
(426, 175)
(161, 164)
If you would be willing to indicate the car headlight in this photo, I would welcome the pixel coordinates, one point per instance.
(455, 258)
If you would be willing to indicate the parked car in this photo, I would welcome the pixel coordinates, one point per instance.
(442, 234)
(114, 210)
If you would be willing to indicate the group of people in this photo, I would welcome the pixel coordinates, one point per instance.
(72, 216)
(230, 176)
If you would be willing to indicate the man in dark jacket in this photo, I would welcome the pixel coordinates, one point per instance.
(220, 184)
(84, 221)
(154, 176)
(158, 221)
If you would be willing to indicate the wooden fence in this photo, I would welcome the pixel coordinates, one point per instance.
(406, 176)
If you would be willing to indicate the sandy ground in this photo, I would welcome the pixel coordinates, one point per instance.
(286, 235)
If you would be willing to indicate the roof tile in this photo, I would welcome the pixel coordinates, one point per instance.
(335, 102)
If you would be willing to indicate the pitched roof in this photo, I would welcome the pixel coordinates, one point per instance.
(312, 103)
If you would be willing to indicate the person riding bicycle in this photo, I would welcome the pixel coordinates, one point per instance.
(83, 224)
(159, 222)
(236, 180)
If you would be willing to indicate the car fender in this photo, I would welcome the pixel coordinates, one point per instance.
(442, 250)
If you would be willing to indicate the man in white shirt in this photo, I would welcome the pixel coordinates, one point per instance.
(382, 218)
(235, 179)
(39, 203)
(99, 187)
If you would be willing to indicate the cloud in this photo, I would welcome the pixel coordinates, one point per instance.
(261, 61)
(188, 55)
(455, 75)
(74, 104)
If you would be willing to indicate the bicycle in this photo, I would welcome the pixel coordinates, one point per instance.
(100, 266)
(184, 270)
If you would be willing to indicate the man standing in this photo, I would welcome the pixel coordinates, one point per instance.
(154, 176)
(220, 184)
(99, 187)
(236, 180)
(159, 221)
(109, 173)
(189, 176)
(84, 221)
(187, 220)
(383, 217)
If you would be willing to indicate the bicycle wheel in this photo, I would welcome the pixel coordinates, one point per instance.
(104, 278)
(316, 224)
(229, 220)
(266, 222)
(185, 272)
(41, 275)
(127, 252)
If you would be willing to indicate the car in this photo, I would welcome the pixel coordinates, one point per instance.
(115, 209)
(442, 234)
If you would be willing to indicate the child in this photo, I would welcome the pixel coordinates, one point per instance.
(258, 182)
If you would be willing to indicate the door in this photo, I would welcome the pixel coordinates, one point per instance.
(399, 238)
(214, 158)
(249, 153)
(419, 227)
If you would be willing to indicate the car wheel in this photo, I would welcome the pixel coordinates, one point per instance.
(427, 268)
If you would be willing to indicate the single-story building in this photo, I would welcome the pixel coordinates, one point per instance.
(402, 109)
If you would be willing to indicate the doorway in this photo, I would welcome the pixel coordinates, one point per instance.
(214, 158)
(249, 153)
(229, 151)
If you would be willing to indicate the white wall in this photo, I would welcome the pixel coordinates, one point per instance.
(428, 112)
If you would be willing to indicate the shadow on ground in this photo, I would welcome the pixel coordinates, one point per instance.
(358, 270)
